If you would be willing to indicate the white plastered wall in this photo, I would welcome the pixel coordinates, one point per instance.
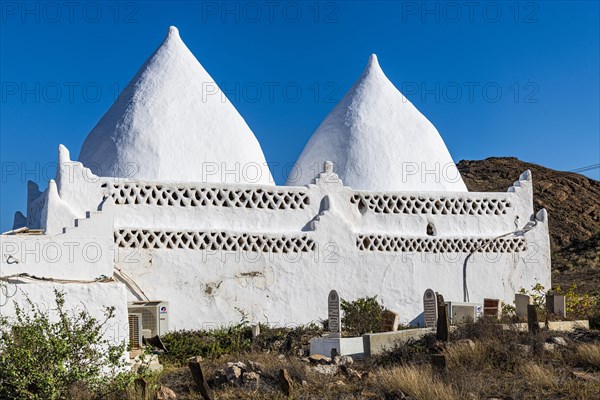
(94, 298)
(218, 253)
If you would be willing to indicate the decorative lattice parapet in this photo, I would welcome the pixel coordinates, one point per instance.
(262, 208)
(395, 203)
(152, 239)
(385, 243)
(133, 193)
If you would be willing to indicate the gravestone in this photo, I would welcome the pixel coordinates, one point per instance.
(521, 303)
(492, 308)
(443, 324)
(334, 315)
(533, 325)
(255, 331)
(198, 376)
(389, 321)
(430, 308)
(557, 305)
(440, 299)
(285, 382)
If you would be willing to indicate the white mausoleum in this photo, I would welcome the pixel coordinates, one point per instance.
(171, 200)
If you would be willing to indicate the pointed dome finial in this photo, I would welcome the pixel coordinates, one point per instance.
(173, 31)
(373, 59)
(372, 66)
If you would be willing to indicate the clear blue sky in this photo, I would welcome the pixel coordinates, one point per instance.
(496, 78)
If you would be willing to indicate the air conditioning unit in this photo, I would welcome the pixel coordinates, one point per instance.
(155, 316)
(135, 330)
(463, 312)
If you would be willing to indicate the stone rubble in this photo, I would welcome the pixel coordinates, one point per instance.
(146, 362)
(164, 393)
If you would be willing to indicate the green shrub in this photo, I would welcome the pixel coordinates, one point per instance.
(184, 344)
(236, 339)
(361, 316)
(43, 357)
(411, 351)
(286, 340)
(594, 316)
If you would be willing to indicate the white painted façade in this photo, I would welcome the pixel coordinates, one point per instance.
(172, 200)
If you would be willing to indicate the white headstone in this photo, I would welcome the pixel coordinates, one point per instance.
(521, 303)
(334, 314)
(255, 331)
(430, 308)
(556, 304)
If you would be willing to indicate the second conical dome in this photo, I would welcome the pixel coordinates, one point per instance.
(173, 123)
(377, 140)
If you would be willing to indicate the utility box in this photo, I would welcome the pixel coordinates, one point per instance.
(155, 316)
(463, 312)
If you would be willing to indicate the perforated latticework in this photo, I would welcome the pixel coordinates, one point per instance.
(405, 204)
(147, 239)
(441, 245)
(127, 193)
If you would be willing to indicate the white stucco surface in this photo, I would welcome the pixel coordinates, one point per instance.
(95, 298)
(220, 253)
(378, 140)
(173, 122)
(71, 248)
(222, 249)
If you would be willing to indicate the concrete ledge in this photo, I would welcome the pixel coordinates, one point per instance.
(345, 346)
(375, 343)
(565, 326)
(568, 325)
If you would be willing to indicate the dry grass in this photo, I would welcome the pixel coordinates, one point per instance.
(416, 381)
(498, 364)
(588, 355)
(539, 376)
(459, 354)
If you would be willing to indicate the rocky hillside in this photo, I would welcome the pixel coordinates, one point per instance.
(573, 204)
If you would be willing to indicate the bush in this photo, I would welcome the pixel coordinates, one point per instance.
(580, 305)
(235, 339)
(595, 315)
(42, 359)
(361, 316)
(412, 351)
(286, 340)
(184, 344)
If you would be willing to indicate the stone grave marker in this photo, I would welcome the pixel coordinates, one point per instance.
(557, 305)
(443, 323)
(255, 330)
(492, 308)
(389, 321)
(533, 325)
(521, 303)
(334, 314)
(430, 308)
(440, 299)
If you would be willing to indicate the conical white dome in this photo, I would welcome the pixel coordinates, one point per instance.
(379, 141)
(173, 123)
